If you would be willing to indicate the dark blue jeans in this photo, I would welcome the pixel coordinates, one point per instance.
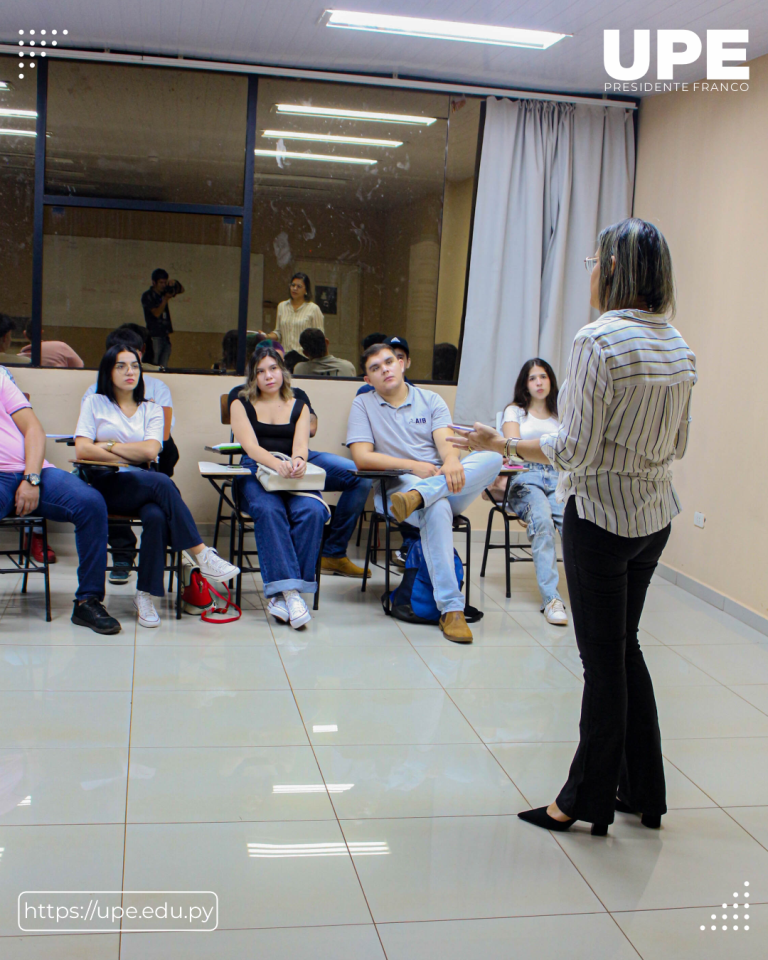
(66, 499)
(288, 531)
(340, 476)
(165, 518)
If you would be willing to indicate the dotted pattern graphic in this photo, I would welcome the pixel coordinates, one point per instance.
(33, 47)
(735, 916)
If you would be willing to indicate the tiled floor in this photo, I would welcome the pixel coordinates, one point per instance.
(349, 791)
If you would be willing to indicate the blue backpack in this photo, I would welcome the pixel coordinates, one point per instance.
(414, 599)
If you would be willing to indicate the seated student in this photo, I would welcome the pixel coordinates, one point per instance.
(339, 478)
(531, 415)
(401, 350)
(319, 362)
(266, 419)
(400, 426)
(118, 424)
(31, 485)
(122, 539)
(7, 329)
(53, 353)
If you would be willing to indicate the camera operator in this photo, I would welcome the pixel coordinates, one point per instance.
(157, 316)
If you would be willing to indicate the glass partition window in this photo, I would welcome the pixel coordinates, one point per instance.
(98, 267)
(17, 172)
(145, 133)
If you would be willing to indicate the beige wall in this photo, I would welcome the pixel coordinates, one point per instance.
(56, 394)
(457, 213)
(701, 177)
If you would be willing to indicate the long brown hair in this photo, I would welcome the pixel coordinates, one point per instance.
(522, 397)
(251, 390)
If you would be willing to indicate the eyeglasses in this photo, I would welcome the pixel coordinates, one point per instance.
(590, 263)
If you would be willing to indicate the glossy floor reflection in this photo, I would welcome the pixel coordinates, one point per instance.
(349, 791)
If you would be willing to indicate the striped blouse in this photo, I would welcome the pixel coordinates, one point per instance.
(291, 323)
(625, 414)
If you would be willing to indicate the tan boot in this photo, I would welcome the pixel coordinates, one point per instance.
(403, 504)
(454, 627)
(342, 567)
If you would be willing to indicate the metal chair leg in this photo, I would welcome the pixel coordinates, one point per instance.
(468, 565)
(507, 559)
(239, 581)
(316, 604)
(179, 585)
(487, 540)
(360, 528)
(27, 556)
(367, 563)
(387, 534)
(46, 573)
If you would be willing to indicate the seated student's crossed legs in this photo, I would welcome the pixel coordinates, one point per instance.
(340, 476)
(430, 503)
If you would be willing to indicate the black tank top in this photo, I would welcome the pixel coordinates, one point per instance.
(274, 437)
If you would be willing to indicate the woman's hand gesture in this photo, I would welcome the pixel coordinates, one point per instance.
(299, 468)
(283, 467)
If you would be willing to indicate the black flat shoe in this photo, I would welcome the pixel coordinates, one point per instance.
(647, 819)
(540, 818)
(92, 613)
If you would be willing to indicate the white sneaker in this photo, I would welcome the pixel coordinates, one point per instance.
(278, 608)
(212, 566)
(297, 610)
(555, 613)
(147, 614)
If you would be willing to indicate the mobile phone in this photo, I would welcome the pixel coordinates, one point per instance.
(460, 428)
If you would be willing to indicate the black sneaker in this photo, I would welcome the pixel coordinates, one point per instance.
(120, 573)
(92, 613)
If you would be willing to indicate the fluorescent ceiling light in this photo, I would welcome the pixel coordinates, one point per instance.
(9, 132)
(327, 157)
(6, 112)
(442, 29)
(341, 114)
(329, 138)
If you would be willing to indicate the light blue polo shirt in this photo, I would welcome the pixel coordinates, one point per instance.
(405, 431)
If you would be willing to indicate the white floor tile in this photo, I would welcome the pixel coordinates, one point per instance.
(575, 937)
(66, 947)
(456, 868)
(382, 667)
(755, 822)
(341, 628)
(531, 668)
(521, 715)
(292, 874)
(70, 785)
(496, 629)
(677, 618)
(678, 933)
(382, 716)
(58, 667)
(216, 718)
(667, 667)
(209, 667)
(250, 630)
(754, 693)
(747, 664)
(732, 771)
(686, 712)
(416, 781)
(53, 719)
(215, 784)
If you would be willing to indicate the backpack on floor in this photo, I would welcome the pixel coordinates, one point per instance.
(414, 599)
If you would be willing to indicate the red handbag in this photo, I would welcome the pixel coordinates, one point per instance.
(197, 598)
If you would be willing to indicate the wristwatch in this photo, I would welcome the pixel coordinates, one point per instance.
(510, 448)
(110, 444)
(32, 478)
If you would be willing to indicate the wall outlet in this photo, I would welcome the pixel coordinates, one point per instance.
(699, 520)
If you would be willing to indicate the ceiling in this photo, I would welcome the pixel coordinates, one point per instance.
(287, 33)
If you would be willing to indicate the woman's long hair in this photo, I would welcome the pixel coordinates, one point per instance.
(522, 397)
(251, 390)
(307, 285)
(643, 270)
(104, 384)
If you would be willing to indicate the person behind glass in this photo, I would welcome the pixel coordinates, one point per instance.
(267, 418)
(625, 415)
(157, 316)
(118, 425)
(297, 314)
(122, 539)
(30, 485)
(533, 413)
(53, 353)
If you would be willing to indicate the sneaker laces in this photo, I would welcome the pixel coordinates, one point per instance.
(296, 606)
(217, 564)
(145, 606)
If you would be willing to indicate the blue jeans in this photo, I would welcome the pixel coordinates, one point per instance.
(165, 518)
(66, 499)
(288, 531)
(435, 520)
(340, 476)
(532, 497)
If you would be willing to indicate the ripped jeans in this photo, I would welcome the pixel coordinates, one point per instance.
(532, 498)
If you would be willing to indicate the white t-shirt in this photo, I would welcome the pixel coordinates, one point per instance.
(102, 419)
(531, 428)
(154, 390)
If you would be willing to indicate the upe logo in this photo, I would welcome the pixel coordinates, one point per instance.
(673, 48)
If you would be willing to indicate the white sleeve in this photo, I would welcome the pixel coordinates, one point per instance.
(161, 393)
(86, 422)
(512, 414)
(89, 392)
(153, 421)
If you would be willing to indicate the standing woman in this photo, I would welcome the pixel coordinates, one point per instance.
(118, 425)
(624, 420)
(268, 419)
(297, 314)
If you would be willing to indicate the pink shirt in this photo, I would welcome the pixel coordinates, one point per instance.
(54, 353)
(11, 438)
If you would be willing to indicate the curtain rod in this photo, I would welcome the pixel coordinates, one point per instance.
(433, 86)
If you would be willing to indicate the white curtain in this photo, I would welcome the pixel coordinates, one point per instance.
(552, 175)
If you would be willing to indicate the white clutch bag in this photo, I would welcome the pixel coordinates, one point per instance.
(313, 479)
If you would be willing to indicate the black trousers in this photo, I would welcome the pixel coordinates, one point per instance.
(619, 750)
(122, 539)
